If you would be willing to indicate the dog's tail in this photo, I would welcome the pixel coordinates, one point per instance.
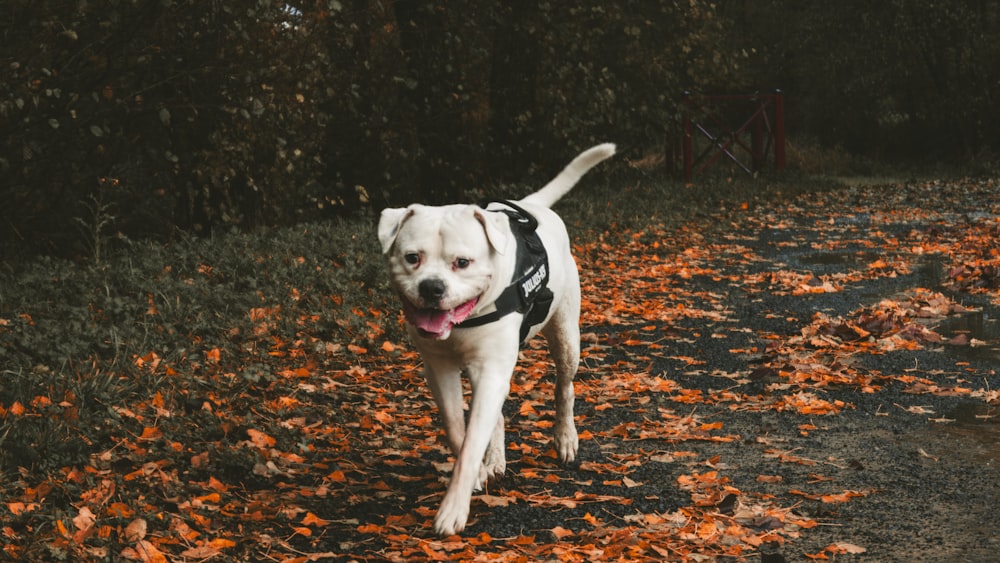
(564, 182)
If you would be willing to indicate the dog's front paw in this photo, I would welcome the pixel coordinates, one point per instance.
(567, 442)
(451, 517)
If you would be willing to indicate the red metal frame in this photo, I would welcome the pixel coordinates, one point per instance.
(699, 118)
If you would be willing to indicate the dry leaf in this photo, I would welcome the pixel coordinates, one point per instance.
(136, 530)
(849, 548)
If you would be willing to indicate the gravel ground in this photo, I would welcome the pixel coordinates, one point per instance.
(928, 461)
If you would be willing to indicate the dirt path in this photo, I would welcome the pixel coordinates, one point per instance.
(924, 452)
(816, 382)
(921, 447)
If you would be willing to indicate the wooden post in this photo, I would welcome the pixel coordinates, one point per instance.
(779, 130)
(686, 141)
(757, 135)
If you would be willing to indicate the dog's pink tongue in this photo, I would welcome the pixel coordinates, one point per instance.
(434, 321)
(437, 321)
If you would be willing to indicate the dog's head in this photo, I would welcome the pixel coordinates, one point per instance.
(444, 262)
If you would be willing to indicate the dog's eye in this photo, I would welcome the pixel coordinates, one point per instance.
(412, 258)
(462, 263)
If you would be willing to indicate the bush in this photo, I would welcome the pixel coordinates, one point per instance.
(144, 117)
(173, 114)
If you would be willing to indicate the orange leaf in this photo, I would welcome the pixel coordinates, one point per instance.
(214, 355)
(41, 401)
(433, 554)
(523, 540)
(17, 508)
(182, 530)
(707, 529)
(482, 539)
(841, 497)
(136, 530)
(62, 528)
(85, 519)
(260, 439)
(217, 485)
(493, 500)
(200, 553)
(222, 543)
(213, 498)
(148, 553)
(313, 520)
(560, 533)
(527, 408)
(844, 547)
(402, 520)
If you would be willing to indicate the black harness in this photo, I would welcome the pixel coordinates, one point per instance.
(529, 292)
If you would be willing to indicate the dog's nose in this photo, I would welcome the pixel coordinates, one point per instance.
(432, 290)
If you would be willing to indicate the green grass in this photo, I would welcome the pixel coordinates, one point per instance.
(194, 340)
(87, 335)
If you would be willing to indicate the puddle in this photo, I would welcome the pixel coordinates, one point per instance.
(978, 325)
(839, 258)
(980, 330)
(976, 431)
(980, 414)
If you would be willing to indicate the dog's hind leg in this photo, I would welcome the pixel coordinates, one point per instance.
(495, 460)
(563, 335)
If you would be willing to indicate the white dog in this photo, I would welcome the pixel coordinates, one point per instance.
(475, 283)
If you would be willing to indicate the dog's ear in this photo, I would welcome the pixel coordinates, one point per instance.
(497, 227)
(389, 224)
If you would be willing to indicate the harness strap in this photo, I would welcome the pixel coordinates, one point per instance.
(529, 292)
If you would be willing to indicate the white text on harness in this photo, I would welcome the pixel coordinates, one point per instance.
(532, 284)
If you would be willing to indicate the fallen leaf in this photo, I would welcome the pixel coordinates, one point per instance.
(84, 519)
(136, 530)
(561, 533)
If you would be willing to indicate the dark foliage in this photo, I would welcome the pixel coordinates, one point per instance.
(140, 117)
(170, 114)
(145, 117)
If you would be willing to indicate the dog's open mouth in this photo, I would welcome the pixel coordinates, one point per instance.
(437, 323)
